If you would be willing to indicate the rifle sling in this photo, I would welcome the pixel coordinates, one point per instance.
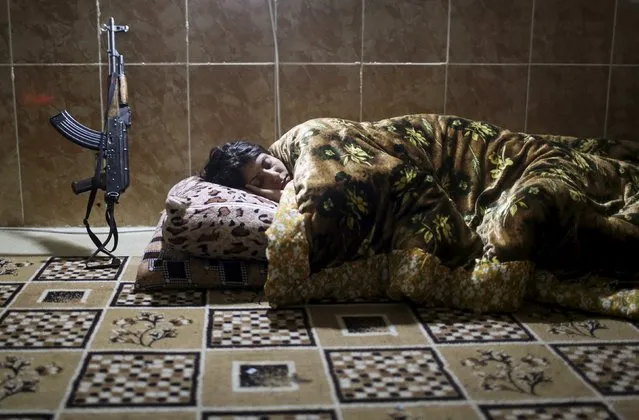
(110, 204)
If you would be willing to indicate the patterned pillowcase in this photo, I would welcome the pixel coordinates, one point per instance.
(162, 267)
(212, 221)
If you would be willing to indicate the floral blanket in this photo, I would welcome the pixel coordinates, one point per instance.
(448, 211)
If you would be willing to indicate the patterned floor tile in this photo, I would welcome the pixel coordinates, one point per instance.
(333, 301)
(95, 414)
(23, 329)
(569, 411)
(62, 294)
(378, 375)
(74, 269)
(131, 269)
(366, 325)
(35, 380)
(126, 296)
(555, 324)
(613, 369)
(258, 328)
(277, 377)
(459, 326)
(507, 372)
(271, 415)
(411, 412)
(627, 409)
(136, 379)
(136, 329)
(237, 298)
(19, 268)
(7, 292)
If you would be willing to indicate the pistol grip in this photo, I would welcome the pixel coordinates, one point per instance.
(82, 186)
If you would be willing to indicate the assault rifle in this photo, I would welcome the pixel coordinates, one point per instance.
(111, 147)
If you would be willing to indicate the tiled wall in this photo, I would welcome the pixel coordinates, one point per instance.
(202, 72)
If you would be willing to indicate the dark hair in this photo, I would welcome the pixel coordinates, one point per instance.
(225, 163)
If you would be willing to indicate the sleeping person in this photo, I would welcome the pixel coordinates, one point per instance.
(244, 165)
(456, 188)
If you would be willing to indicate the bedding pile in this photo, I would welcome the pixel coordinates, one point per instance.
(448, 211)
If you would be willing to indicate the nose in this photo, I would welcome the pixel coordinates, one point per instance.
(275, 177)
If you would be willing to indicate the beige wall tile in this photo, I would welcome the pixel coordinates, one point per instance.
(54, 32)
(567, 100)
(157, 29)
(573, 31)
(319, 30)
(395, 30)
(490, 31)
(11, 208)
(230, 30)
(308, 92)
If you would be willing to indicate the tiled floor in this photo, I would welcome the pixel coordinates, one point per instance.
(77, 344)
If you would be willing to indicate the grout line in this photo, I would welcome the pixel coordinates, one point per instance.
(294, 63)
(377, 63)
(489, 64)
(15, 112)
(55, 64)
(88, 348)
(188, 91)
(530, 52)
(569, 64)
(612, 52)
(262, 63)
(276, 72)
(100, 88)
(445, 365)
(277, 62)
(361, 66)
(272, 11)
(199, 397)
(324, 360)
(320, 63)
(447, 63)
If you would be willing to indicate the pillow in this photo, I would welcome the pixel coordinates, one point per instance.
(212, 221)
(163, 267)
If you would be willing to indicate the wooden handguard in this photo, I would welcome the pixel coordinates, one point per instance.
(124, 91)
(114, 109)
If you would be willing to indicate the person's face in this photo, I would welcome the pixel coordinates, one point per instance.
(266, 172)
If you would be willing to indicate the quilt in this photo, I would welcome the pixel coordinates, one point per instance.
(448, 211)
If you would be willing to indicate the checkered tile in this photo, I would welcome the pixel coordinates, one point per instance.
(7, 292)
(136, 379)
(611, 368)
(271, 415)
(74, 269)
(126, 297)
(379, 375)
(572, 411)
(64, 296)
(333, 301)
(259, 328)
(47, 329)
(459, 326)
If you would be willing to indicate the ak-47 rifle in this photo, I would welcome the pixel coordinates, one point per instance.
(111, 146)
